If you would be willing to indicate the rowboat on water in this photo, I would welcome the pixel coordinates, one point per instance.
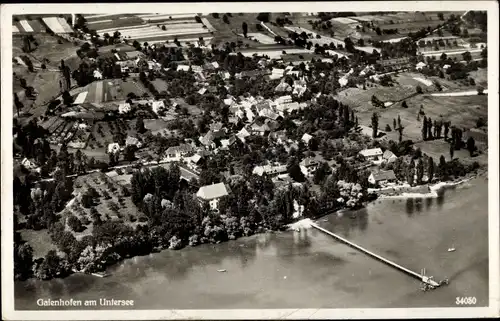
(222, 270)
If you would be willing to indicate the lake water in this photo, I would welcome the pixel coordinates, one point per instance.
(309, 269)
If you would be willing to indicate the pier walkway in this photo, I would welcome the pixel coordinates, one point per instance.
(420, 277)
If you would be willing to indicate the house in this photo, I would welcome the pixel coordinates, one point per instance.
(306, 138)
(283, 87)
(420, 65)
(215, 64)
(268, 113)
(343, 81)
(382, 177)
(216, 127)
(202, 91)
(141, 63)
(389, 156)
(157, 106)
(277, 73)
(269, 170)
(373, 154)
(183, 68)
(226, 143)
(153, 65)
(229, 101)
(113, 148)
(242, 134)
(212, 194)
(131, 141)
(28, 164)
(308, 166)
(124, 108)
(177, 153)
(260, 128)
(97, 74)
(279, 137)
(299, 87)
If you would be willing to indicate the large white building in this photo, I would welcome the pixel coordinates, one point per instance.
(212, 194)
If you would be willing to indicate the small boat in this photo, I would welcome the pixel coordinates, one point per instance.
(451, 249)
(221, 270)
(100, 274)
(325, 220)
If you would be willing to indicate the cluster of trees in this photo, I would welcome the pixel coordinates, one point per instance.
(432, 130)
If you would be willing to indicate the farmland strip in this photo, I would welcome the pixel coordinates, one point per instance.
(26, 26)
(98, 92)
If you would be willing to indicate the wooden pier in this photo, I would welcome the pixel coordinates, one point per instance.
(420, 277)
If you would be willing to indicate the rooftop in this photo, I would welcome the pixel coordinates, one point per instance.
(210, 192)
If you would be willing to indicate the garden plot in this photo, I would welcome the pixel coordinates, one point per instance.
(273, 54)
(262, 38)
(344, 20)
(58, 25)
(27, 26)
(158, 16)
(424, 81)
(111, 201)
(103, 133)
(110, 27)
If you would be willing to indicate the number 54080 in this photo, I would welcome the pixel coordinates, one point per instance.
(466, 300)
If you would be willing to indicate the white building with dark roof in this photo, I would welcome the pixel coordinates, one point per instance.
(373, 154)
(177, 153)
(382, 177)
(212, 194)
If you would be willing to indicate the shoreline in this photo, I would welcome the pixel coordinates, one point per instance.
(296, 225)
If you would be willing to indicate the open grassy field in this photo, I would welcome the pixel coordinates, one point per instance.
(48, 48)
(359, 99)
(463, 112)
(230, 32)
(160, 84)
(40, 241)
(480, 76)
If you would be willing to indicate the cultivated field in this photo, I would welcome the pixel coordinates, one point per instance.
(103, 133)
(108, 90)
(111, 202)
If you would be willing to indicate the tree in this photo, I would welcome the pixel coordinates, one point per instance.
(294, 170)
(23, 261)
(471, 146)
(321, 173)
(430, 169)
(467, 56)
(400, 132)
(424, 128)
(388, 128)
(375, 124)
(263, 16)
(19, 105)
(411, 172)
(404, 104)
(452, 151)
(225, 18)
(67, 99)
(420, 171)
(129, 152)
(419, 89)
(139, 125)
(394, 123)
(244, 26)
(75, 224)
